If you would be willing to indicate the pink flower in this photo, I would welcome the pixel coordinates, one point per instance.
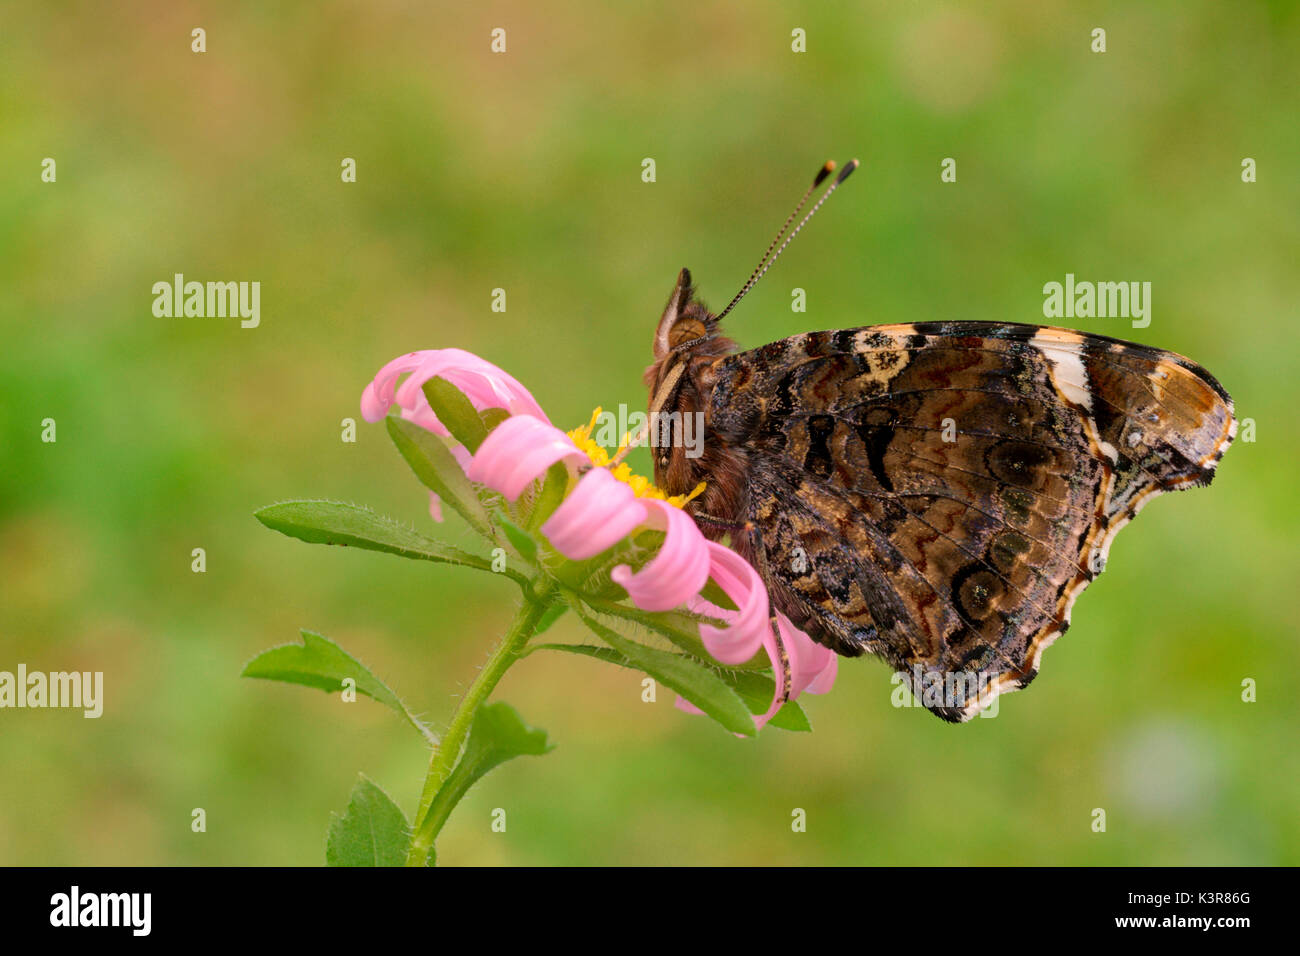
(603, 507)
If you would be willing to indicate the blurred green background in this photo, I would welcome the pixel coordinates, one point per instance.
(523, 171)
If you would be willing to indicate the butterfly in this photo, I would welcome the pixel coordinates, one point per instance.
(937, 494)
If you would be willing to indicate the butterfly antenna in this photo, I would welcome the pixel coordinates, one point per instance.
(826, 169)
(769, 257)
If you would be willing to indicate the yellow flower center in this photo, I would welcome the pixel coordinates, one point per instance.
(641, 486)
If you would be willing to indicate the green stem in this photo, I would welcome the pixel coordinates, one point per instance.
(447, 752)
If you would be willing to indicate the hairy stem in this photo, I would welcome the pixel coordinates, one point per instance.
(447, 752)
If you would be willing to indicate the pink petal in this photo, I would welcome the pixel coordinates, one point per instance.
(748, 627)
(812, 666)
(377, 397)
(483, 383)
(517, 451)
(778, 674)
(677, 572)
(426, 419)
(825, 680)
(599, 512)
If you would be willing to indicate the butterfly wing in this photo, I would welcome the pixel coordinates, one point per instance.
(938, 494)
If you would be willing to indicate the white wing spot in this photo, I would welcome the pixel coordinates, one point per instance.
(1065, 353)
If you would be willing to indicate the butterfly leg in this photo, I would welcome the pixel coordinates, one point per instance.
(722, 524)
(785, 661)
(759, 559)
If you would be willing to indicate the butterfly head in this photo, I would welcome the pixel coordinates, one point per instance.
(687, 329)
(686, 323)
(686, 342)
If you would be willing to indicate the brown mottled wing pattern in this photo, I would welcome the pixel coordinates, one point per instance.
(938, 494)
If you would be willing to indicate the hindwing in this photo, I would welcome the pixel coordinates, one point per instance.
(938, 494)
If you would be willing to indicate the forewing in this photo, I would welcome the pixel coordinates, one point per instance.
(939, 494)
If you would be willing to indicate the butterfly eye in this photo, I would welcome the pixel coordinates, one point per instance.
(686, 330)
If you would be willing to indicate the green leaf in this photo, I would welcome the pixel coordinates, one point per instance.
(372, 831)
(519, 538)
(554, 485)
(680, 627)
(754, 689)
(498, 734)
(456, 412)
(712, 592)
(439, 471)
(606, 654)
(790, 717)
(687, 676)
(591, 576)
(319, 662)
(333, 522)
(492, 417)
(550, 616)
